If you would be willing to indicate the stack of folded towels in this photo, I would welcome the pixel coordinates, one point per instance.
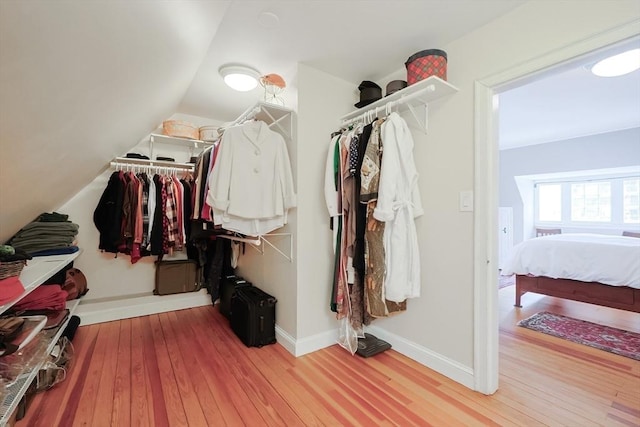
(49, 234)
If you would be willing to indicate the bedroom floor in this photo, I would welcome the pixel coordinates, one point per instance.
(574, 380)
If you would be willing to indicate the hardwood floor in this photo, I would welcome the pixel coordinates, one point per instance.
(187, 368)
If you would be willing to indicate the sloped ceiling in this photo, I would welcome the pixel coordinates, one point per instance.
(82, 82)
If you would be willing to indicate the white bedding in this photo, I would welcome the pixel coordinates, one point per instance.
(612, 260)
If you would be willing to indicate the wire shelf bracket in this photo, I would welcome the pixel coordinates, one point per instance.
(272, 115)
(258, 243)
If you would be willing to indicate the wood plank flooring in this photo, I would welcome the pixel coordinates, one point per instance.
(186, 368)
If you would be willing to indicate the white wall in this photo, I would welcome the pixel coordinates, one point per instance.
(322, 100)
(604, 151)
(441, 320)
(272, 272)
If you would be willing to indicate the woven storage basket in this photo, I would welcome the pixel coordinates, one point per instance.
(11, 268)
(180, 129)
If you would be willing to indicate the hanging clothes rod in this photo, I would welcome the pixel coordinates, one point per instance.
(247, 115)
(254, 241)
(271, 114)
(372, 111)
(124, 163)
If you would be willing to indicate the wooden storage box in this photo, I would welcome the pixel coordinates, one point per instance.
(180, 129)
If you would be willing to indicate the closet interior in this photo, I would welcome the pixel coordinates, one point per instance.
(135, 173)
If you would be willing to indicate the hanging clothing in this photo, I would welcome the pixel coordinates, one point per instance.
(334, 206)
(374, 256)
(374, 296)
(107, 217)
(251, 186)
(398, 204)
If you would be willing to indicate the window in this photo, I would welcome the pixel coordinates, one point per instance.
(550, 202)
(593, 201)
(631, 201)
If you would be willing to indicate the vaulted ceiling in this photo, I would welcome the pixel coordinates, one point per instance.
(82, 81)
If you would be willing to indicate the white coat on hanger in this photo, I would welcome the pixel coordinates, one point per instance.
(251, 186)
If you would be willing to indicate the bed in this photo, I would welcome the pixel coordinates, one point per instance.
(593, 268)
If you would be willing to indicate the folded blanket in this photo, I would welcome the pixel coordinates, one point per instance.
(52, 217)
(48, 227)
(10, 288)
(46, 297)
(57, 251)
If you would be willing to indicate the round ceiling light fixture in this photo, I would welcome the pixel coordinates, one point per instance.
(618, 65)
(239, 77)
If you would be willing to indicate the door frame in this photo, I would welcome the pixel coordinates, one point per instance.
(485, 306)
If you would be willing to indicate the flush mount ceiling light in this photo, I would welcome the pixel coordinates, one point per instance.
(239, 77)
(618, 65)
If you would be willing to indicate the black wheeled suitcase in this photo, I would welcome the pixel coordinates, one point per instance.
(228, 287)
(253, 316)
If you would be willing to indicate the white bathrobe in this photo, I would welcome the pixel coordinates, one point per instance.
(398, 204)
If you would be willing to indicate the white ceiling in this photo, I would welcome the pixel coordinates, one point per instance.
(569, 102)
(82, 81)
(368, 40)
(353, 40)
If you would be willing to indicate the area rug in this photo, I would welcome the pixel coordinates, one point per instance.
(605, 338)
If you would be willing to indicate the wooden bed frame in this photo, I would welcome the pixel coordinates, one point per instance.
(621, 297)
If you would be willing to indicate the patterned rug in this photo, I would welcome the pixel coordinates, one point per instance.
(605, 338)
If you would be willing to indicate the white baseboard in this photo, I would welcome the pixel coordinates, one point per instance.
(305, 345)
(286, 340)
(91, 312)
(316, 342)
(432, 360)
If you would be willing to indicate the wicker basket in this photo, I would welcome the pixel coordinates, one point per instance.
(11, 268)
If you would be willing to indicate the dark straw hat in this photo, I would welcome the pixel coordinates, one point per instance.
(369, 92)
(395, 85)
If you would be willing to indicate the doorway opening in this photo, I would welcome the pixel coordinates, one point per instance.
(487, 168)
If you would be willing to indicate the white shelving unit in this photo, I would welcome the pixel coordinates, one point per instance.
(410, 98)
(194, 145)
(33, 275)
(37, 271)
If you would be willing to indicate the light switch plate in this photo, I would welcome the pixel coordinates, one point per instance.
(466, 201)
